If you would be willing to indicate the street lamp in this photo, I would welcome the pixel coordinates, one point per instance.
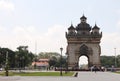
(61, 49)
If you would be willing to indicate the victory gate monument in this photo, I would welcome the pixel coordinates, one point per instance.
(83, 40)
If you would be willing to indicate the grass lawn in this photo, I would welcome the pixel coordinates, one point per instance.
(117, 72)
(37, 74)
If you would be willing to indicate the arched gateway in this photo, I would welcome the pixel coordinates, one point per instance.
(83, 40)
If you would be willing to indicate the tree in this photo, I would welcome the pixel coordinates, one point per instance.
(62, 61)
(107, 61)
(24, 57)
(48, 55)
(20, 58)
(11, 57)
(118, 61)
(54, 58)
(52, 61)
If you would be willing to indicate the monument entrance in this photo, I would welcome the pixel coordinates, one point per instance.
(83, 62)
(83, 40)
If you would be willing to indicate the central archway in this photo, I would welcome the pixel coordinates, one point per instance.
(83, 62)
(84, 56)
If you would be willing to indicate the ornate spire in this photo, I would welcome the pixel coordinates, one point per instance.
(71, 23)
(83, 17)
(71, 27)
(95, 27)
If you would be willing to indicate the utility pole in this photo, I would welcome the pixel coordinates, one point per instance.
(115, 58)
(35, 55)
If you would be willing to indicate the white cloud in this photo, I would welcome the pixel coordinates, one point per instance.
(24, 30)
(2, 29)
(109, 42)
(6, 5)
(118, 24)
(51, 40)
(118, 11)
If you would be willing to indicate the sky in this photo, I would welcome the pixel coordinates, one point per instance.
(41, 24)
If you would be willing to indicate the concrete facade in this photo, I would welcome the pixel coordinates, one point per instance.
(83, 40)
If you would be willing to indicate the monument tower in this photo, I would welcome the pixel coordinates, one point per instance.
(83, 40)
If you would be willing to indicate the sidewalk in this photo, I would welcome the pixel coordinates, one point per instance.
(82, 76)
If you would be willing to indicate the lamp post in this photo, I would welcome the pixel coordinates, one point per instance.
(6, 65)
(61, 49)
(115, 58)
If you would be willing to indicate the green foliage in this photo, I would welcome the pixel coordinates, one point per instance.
(16, 59)
(108, 61)
(48, 55)
(54, 59)
(118, 60)
(57, 62)
(23, 57)
(117, 72)
(11, 57)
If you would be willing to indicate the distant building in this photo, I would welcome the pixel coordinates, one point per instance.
(41, 64)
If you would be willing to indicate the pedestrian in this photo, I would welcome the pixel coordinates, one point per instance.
(92, 68)
(95, 69)
(103, 69)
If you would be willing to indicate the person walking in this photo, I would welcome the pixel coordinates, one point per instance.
(95, 69)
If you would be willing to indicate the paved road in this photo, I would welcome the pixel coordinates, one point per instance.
(82, 76)
(99, 76)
